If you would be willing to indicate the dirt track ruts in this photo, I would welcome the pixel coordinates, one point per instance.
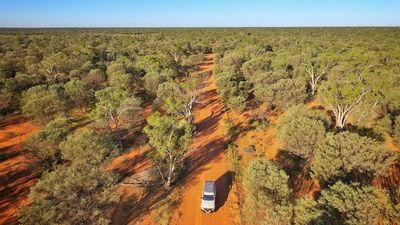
(206, 160)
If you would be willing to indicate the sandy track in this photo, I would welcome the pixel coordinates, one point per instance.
(206, 159)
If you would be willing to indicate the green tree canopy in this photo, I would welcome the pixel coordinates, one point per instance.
(257, 65)
(54, 66)
(277, 89)
(268, 194)
(115, 67)
(125, 82)
(154, 64)
(396, 129)
(77, 93)
(77, 194)
(348, 86)
(153, 79)
(42, 103)
(179, 97)
(306, 211)
(318, 66)
(88, 147)
(350, 155)
(301, 136)
(44, 145)
(115, 106)
(170, 138)
(356, 205)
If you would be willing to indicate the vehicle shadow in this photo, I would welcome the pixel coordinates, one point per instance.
(223, 185)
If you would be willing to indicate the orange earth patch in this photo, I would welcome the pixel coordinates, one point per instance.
(17, 173)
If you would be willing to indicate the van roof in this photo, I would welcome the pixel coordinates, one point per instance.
(209, 186)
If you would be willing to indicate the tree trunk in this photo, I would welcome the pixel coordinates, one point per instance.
(314, 78)
(115, 121)
(170, 176)
(189, 117)
(340, 121)
(313, 87)
(118, 136)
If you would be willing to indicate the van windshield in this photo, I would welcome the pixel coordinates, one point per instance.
(208, 197)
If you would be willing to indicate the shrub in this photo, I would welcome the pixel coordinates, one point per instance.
(43, 103)
(301, 137)
(349, 155)
(268, 196)
(44, 145)
(94, 78)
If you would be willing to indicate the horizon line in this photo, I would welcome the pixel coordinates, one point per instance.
(166, 27)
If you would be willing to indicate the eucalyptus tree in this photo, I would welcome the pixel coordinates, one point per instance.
(158, 69)
(53, 66)
(170, 137)
(76, 194)
(87, 147)
(232, 85)
(318, 67)
(307, 211)
(115, 106)
(348, 86)
(179, 98)
(176, 50)
(125, 81)
(95, 78)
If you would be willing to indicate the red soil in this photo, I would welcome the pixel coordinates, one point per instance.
(126, 165)
(132, 161)
(16, 172)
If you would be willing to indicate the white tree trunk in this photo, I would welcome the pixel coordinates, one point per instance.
(342, 112)
(314, 79)
(170, 176)
(116, 124)
(171, 171)
(341, 117)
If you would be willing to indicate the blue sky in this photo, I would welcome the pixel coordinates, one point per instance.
(204, 13)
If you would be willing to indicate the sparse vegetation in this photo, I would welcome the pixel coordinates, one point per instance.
(327, 100)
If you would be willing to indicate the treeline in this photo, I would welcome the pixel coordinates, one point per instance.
(340, 146)
(100, 79)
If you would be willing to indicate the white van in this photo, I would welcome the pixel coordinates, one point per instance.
(208, 197)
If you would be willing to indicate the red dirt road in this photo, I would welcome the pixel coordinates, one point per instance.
(16, 172)
(206, 161)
